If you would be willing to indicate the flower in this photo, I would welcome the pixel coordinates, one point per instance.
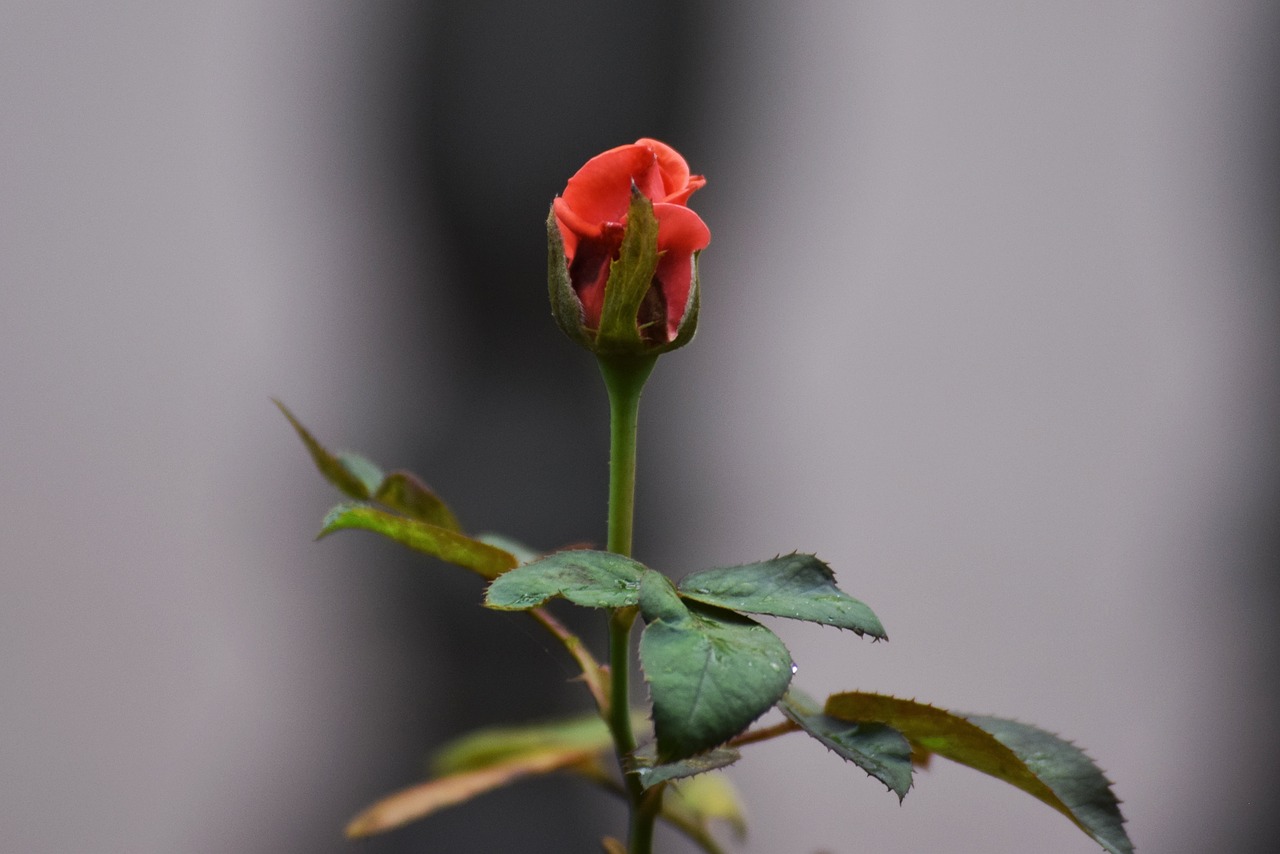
(590, 266)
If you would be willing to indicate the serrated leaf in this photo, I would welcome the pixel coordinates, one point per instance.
(403, 492)
(711, 673)
(423, 799)
(651, 772)
(350, 473)
(588, 578)
(796, 586)
(1074, 778)
(496, 745)
(630, 276)
(1041, 764)
(876, 748)
(703, 799)
(449, 546)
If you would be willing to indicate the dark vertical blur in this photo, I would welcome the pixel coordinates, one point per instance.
(476, 115)
(1256, 529)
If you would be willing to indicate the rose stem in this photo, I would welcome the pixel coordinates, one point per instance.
(624, 377)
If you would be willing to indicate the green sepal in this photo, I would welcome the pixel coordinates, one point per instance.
(876, 748)
(351, 473)
(711, 672)
(1041, 764)
(630, 277)
(404, 492)
(449, 546)
(796, 586)
(589, 578)
(566, 308)
(652, 772)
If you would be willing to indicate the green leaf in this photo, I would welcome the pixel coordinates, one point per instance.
(651, 772)
(588, 578)
(1077, 782)
(876, 748)
(797, 586)
(449, 546)
(351, 473)
(630, 276)
(658, 599)
(710, 672)
(403, 492)
(1039, 763)
(495, 745)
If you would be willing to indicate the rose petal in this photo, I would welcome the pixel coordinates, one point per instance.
(601, 190)
(680, 229)
(681, 232)
(674, 169)
(589, 273)
(696, 182)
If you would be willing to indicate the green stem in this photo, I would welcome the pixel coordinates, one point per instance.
(624, 377)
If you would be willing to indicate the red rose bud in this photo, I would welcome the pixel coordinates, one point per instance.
(622, 251)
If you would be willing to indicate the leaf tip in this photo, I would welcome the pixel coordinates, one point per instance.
(367, 823)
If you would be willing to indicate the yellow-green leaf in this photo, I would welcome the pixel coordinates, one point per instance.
(403, 492)
(491, 746)
(350, 473)
(423, 799)
(449, 546)
(706, 798)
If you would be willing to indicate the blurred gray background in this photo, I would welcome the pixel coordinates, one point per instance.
(989, 323)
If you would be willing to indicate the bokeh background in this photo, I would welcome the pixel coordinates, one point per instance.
(990, 323)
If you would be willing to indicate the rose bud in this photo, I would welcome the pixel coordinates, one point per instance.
(623, 249)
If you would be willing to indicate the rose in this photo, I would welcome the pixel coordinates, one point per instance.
(629, 193)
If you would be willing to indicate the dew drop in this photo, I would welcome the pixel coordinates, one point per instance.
(795, 668)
